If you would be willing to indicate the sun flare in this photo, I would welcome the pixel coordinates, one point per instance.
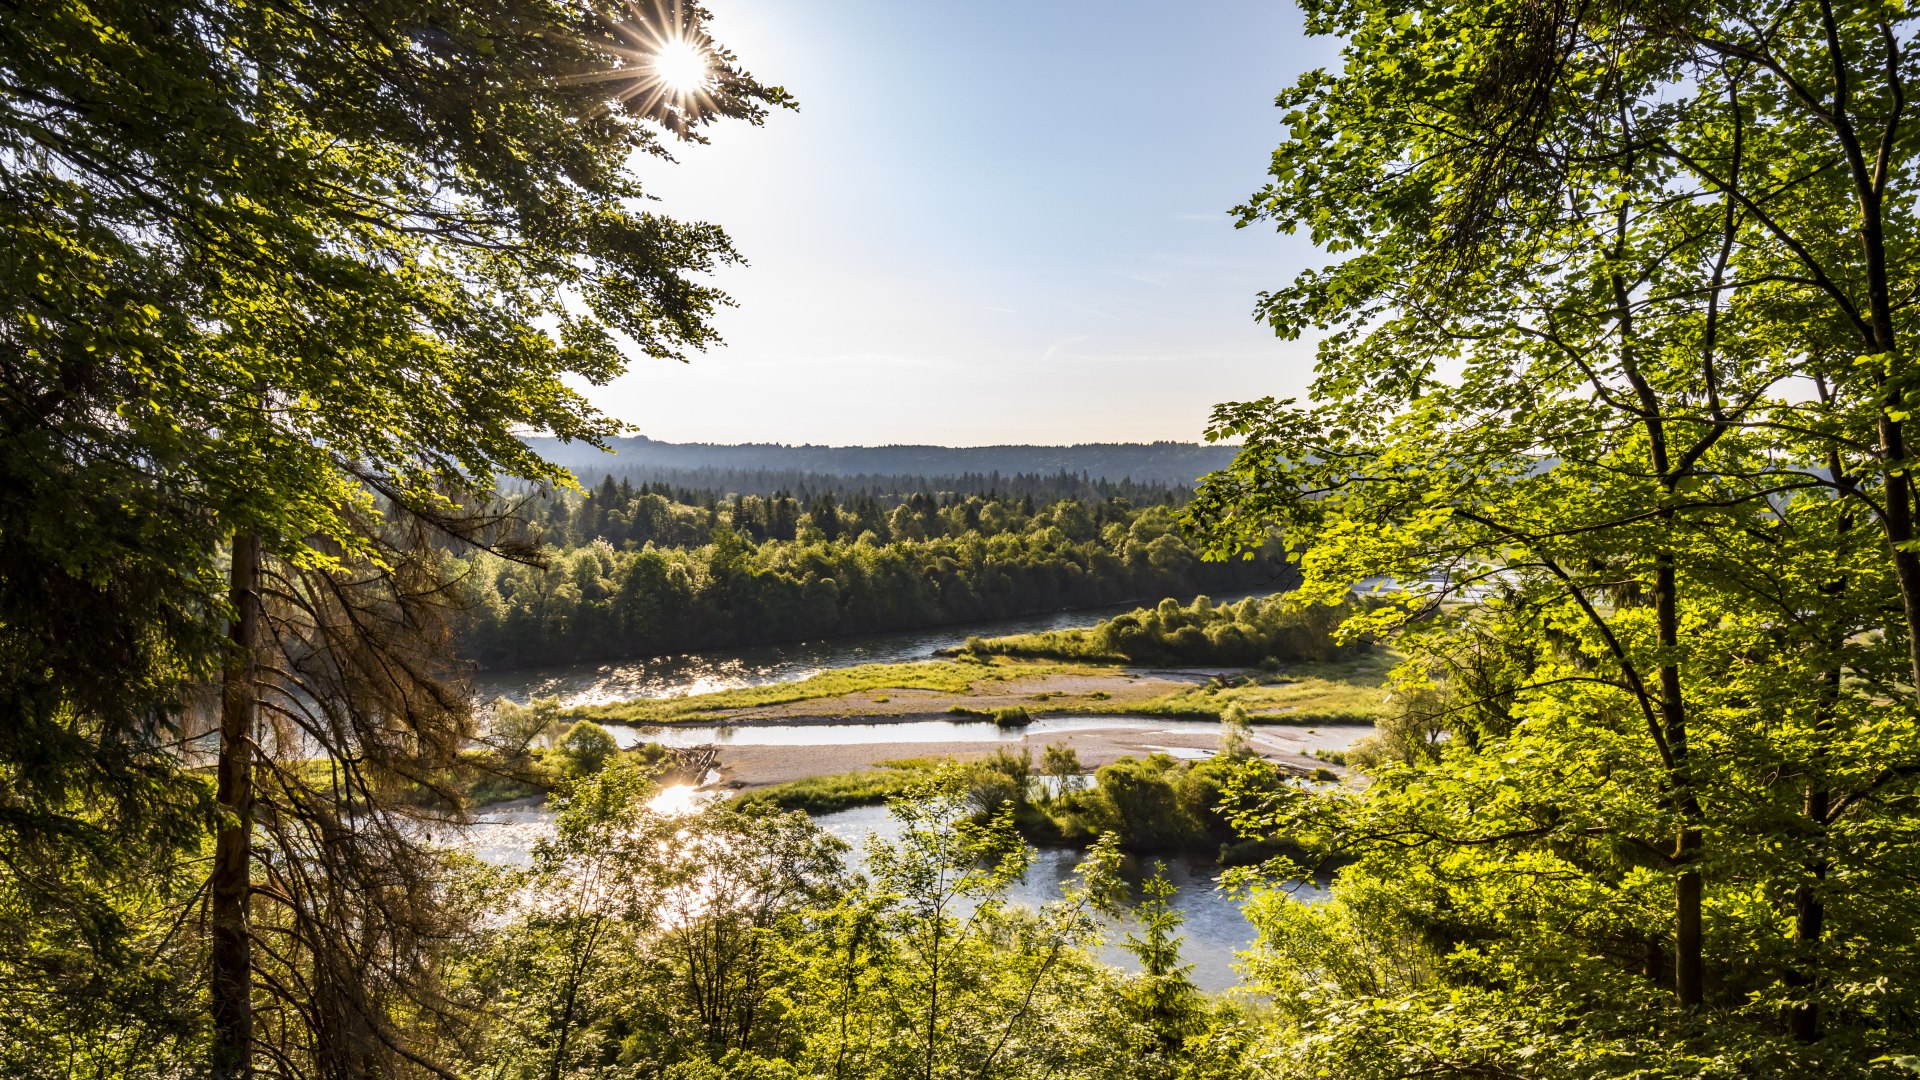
(659, 63)
(680, 65)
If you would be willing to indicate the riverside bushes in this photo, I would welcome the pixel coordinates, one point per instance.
(1256, 630)
(843, 791)
(1151, 805)
(1154, 804)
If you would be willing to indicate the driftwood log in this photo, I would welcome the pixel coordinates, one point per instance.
(690, 764)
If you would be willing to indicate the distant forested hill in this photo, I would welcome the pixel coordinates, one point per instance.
(1158, 462)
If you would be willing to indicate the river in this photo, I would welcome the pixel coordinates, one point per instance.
(1215, 930)
(1279, 738)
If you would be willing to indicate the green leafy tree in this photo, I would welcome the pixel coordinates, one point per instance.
(1061, 763)
(641, 940)
(514, 729)
(738, 880)
(279, 276)
(592, 890)
(1591, 259)
(928, 973)
(940, 860)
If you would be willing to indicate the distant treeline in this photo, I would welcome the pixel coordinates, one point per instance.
(706, 486)
(1157, 462)
(634, 572)
(626, 513)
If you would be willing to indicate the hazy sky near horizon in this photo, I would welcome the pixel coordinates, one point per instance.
(989, 222)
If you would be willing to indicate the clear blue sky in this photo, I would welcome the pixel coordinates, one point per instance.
(989, 222)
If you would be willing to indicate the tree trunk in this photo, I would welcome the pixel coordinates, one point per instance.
(1689, 984)
(232, 962)
(1809, 904)
(1809, 925)
(1688, 966)
(933, 995)
(1900, 535)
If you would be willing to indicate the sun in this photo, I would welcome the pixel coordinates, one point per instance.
(680, 65)
(659, 63)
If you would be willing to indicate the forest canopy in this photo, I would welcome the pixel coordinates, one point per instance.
(641, 573)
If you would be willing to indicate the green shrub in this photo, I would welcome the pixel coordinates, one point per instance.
(513, 729)
(1256, 631)
(587, 748)
(1147, 810)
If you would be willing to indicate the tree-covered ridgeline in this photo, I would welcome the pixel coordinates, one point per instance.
(626, 513)
(1162, 462)
(1617, 349)
(644, 574)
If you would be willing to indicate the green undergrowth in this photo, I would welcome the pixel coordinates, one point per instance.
(1153, 804)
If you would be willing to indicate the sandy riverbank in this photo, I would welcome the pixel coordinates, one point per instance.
(1313, 707)
(746, 767)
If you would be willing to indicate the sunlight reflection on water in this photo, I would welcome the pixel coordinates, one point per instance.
(676, 800)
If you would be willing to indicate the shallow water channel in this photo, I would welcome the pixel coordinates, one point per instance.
(1290, 738)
